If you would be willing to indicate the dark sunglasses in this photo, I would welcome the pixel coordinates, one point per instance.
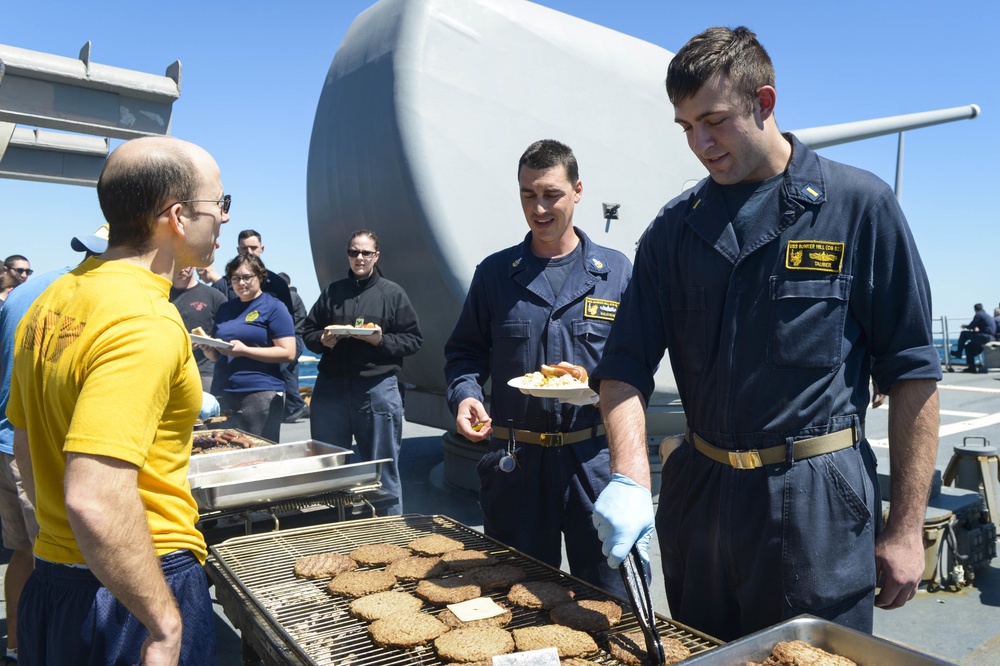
(367, 254)
(21, 271)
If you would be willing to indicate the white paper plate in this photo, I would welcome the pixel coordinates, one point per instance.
(211, 342)
(349, 330)
(563, 393)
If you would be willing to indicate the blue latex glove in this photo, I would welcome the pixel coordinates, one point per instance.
(209, 406)
(623, 515)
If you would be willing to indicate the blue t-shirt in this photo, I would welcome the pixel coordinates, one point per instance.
(255, 324)
(18, 303)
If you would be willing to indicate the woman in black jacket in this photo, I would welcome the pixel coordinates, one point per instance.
(362, 326)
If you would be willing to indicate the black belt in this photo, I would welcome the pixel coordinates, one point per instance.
(754, 458)
(549, 438)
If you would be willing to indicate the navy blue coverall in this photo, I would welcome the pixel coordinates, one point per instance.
(772, 343)
(510, 325)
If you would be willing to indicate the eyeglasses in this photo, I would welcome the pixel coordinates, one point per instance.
(367, 254)
(21, 271)
(224, 203)
(242, 278)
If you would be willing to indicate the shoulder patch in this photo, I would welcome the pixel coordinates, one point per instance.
(599, 308)
(811, 255)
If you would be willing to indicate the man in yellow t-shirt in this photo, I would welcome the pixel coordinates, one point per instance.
(104, 394)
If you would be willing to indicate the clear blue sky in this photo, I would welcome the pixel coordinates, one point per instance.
(253, 71)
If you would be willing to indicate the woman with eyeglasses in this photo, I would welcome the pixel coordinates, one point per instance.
(248, 374)
(356, 393)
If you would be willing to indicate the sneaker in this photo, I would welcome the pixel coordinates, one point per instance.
(300, 413)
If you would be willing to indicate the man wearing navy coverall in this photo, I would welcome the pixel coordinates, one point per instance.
(549, 299)
(775, 284)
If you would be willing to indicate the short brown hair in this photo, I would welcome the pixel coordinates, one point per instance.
(251, 261)
(734, 53)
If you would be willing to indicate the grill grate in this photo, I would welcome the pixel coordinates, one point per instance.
(317, 626)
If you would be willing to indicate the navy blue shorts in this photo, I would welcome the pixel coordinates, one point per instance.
(66, 616)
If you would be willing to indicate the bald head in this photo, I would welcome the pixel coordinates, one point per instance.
(143, 176)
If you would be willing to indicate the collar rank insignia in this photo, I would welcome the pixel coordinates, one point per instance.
(811, 192)
(517, 262)
(598, 264)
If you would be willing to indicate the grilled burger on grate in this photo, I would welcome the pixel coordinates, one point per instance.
(568, 642)
(447, 590)
(406, 631)
(539, 594)
(452, 620)
(435, 544)
(587, 615)
(473, 644)
(384, 605)
(462, 560)
(356, 584)
(323, 565)
(630, 648)
(573, 661)
(497, 577)
(416, 567)
(378, 554)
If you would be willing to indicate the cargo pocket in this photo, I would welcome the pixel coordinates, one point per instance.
(807, 322)
(684, 317)
(510, 344)
(828, 551)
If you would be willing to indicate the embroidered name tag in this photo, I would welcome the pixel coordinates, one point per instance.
(598, 308)
(823, 256)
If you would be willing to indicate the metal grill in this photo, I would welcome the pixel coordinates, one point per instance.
(316, 626)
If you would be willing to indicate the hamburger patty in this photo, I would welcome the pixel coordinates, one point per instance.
(452, 620)
(473, 644)
(539, 594)
(406, 631)
(587, 615)
(416, 567)
(792, 653)
(356, 584)
(384, 605)
(323, 565)
(497, 577)
(568, 642)
(462, 560)
(378, 554)
(435, 544)
(630, 648)
(447, 590)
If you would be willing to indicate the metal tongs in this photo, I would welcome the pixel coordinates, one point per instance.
(634, 576)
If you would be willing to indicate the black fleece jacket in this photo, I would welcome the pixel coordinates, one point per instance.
(355, 302)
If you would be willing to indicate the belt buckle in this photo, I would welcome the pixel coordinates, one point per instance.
(551, 439)
(745, 459)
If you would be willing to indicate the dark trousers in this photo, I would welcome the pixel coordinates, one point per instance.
(258, 412)
(368, 410)
(746, 549)
(290, 373)
(67, 617)
(972, 342)
(550, 495)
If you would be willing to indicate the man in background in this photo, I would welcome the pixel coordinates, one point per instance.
(977, 333)
(104, 395)
(18, 266)
(17, 514)
(197, 303)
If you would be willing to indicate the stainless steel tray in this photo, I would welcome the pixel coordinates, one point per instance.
(320, 453)
(276, 480)
(826, 635)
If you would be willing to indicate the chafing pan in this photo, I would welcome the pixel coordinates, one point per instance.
(321, 453)
(256, 480)
(862, 648)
